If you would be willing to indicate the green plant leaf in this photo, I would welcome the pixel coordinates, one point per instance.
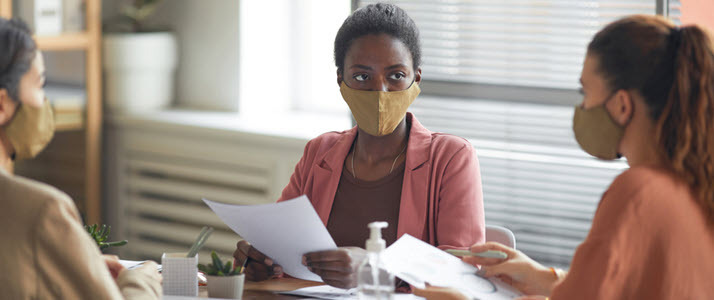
(213, 271)
(227, 267)
(216, 261)
(203, 269)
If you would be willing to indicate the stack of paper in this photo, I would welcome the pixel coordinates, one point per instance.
(285, 231)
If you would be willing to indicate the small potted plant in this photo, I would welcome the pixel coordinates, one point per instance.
(100, 234)
(140, 61)
(223, 280)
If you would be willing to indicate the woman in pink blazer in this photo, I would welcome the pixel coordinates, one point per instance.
(389, 167)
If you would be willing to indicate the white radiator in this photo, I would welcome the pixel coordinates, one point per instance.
(158, 174)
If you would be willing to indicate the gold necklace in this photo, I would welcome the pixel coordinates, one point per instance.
(354, 153)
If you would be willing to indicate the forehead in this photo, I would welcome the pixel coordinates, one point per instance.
(590, 73)
(378, 49)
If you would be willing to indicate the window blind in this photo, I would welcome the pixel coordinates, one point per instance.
(537, 182)
(675, 11)
(511, 42)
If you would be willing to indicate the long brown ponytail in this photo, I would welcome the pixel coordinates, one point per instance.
(673, 68)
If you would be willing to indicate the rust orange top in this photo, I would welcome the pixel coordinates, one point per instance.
(649, 240)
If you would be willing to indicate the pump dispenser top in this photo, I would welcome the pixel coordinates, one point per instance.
(376, 243)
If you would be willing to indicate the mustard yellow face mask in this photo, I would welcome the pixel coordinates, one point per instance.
(378, 113)
(30, 130)
(596, 132)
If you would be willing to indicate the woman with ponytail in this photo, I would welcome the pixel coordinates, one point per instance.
(648, 89)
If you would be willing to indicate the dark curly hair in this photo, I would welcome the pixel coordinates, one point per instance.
(380, 18)
(17, 51)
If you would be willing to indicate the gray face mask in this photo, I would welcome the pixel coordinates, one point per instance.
(596, 132)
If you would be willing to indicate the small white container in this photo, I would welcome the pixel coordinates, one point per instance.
(179, 274)
(228, 287)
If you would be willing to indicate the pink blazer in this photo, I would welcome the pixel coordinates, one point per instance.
(442, 200)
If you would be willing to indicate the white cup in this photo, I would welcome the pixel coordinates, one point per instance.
(179, 274)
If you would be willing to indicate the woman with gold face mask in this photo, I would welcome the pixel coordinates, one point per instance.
(46, 253)
(648, 89)
(389, 167)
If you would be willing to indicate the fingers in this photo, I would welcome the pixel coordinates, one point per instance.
(493, 246)
(504, 269)
(150, 268)
(245, 251)
(113, 264)
(482, 261)
(488, 261)
(327, 256)
(337, 279)
(439, 293)
(110, 256)
(256, 271)
(337, 266)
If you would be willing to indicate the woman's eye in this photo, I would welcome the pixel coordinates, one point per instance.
(360, 77)
(581, 91)
(397, 76)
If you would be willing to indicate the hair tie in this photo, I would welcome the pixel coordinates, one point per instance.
(675, 38)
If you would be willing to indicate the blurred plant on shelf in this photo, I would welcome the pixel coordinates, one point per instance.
(133, 16)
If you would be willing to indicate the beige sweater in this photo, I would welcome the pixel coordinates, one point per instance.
(46, 254)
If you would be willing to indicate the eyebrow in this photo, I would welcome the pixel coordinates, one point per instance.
(362, 67)
(395, 66)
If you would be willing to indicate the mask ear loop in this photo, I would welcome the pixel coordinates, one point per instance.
(619, 155)
(608, 112)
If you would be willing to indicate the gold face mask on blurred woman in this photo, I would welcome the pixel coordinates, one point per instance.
(378, 113)
(30, 130)
(596, 132)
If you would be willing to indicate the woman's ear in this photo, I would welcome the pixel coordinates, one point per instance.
(7, 107)
(339, 77)
(622, 107)
(417, 75)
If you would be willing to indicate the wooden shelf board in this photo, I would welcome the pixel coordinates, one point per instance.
(69, 127)
(63, 42)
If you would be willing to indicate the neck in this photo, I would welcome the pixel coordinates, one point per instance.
(640, 145)
(5, 149)
(373, 149)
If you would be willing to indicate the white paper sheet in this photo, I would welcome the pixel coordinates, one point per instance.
(324, 292)
(417, 262)
(283, 231)
(332, 293)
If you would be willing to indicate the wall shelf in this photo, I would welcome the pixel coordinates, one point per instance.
(88, 41)
(64, 42)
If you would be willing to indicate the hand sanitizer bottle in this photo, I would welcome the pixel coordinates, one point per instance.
(373, 280)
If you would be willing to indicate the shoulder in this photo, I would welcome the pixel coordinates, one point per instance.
(34, 194)
(644, 180)
(446, 146)
(646, 196)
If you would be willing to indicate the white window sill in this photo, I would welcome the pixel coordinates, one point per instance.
(299, 126)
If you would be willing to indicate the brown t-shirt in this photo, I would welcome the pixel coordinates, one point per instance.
(358, 203)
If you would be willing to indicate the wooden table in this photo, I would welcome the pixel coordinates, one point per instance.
(268, 289)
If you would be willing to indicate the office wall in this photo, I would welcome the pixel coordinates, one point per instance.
(698, 11)
(207, 32)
